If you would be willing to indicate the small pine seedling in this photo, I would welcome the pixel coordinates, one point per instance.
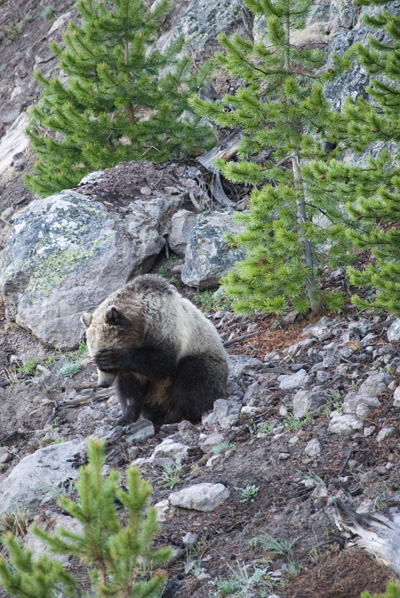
(114, 553)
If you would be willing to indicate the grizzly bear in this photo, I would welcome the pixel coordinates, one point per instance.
(166, 358)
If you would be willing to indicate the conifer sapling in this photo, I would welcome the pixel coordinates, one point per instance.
(370, 187)
(122, 99)
(116, 554)
(279, 108)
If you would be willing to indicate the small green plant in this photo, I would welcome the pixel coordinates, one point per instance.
(266, 429)
(221, 447)
(249, 492)
(15, 522)
(291, 568)
(47, 12)
(28, 368)
(119, 556)
(12, 32)
(274, 546)
(392, 591)
(172, 475)
(296, 423)
(83, 348)
(205, 300)
(380, 498)
(313, 479)
(49, 361)
(69, 368)
(242, 581)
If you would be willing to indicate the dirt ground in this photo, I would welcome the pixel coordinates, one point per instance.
(321, 563)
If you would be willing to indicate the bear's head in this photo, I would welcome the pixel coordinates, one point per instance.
(109, 327)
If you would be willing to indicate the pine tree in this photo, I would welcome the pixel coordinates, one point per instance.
(370, 187)
(280, 110)
(115, 554)
(123, 99)
(392, 591)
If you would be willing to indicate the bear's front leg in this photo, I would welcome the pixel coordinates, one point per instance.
(131, 393)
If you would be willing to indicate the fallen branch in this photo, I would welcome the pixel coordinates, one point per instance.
(240, 338)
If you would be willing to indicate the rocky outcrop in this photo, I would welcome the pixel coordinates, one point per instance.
(66, 254)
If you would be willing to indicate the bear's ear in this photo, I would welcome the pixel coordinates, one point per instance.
(113, 316)
(86, 319)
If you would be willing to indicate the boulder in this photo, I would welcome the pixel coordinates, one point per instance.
(66, 254)
(208, 255)
(40, 473)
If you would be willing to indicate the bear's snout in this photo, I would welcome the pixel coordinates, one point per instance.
(105, 379)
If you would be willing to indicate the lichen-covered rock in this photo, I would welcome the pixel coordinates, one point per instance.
(208, 256)
(66, 254)
(204, 20)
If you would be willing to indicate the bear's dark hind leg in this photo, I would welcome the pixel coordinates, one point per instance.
(131, 393)
(198, 382)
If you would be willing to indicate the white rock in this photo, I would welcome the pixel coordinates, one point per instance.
(286, 382)
(313, 448)
(353, 400)
(37, 545)
(344, 425)
(393, 332)
(305, 401)
(396, 397)
(169, 448)
(164, 511)
(385, 433)
(200, 497)
(369, 430)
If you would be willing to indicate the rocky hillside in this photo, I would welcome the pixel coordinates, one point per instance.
(311, 420)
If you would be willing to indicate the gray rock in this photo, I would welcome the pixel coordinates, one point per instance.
(385, 433)
(176, 451)
(355, 402)
(208, 256)
(181, 226)
(38, 474)
(224, 414)
(375, 385)
(140, 430)
(204, 20)
(287, 382)
(200, 497)
(32, 542)
(321, 328)
(243, 364)
(305, 401)
(393, 333)
(396, 397)
(212, 440)
(66, 254)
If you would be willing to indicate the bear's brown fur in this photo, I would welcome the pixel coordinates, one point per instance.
(167, 359)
